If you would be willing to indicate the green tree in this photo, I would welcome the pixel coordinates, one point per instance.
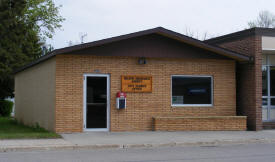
(25, 24)
(265, 19)
(44, 16)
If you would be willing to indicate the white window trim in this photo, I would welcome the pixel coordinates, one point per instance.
(193, 105)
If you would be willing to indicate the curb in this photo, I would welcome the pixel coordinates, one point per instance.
(126, 146)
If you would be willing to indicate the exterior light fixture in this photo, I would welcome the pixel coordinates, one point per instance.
(142, 60)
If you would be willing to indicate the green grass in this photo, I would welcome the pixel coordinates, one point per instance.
(11, 129)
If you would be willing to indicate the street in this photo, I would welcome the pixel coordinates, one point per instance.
(240, 152)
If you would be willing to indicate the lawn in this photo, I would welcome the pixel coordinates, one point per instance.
(11, 129)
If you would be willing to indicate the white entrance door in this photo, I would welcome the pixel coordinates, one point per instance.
(96, 102)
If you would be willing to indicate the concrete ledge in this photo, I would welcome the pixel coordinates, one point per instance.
(206, 123)
(268, 125)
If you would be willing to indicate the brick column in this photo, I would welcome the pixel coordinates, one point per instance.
(249, 79)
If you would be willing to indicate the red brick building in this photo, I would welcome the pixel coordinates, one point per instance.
(172, 82)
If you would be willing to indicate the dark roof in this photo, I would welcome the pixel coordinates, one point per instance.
(241, 34)
(159, 30)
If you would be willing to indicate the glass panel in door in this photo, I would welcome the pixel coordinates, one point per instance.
(264, 81)
(272, 93)
(96, 106)
(272, 81)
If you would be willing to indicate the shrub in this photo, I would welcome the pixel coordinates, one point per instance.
(5, 108)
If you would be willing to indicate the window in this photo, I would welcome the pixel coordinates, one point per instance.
(268, 87)
(264, 81)
(192, 90)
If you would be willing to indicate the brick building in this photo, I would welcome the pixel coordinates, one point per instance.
(255, 81)
(172, 82)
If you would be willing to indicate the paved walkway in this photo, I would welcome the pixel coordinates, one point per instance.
(139, 139)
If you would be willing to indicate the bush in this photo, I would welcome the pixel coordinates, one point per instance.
(5, 108)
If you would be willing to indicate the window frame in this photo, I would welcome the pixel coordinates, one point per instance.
(193, 105)
(268, 65)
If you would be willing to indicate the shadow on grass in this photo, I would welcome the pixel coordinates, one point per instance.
(11, 129)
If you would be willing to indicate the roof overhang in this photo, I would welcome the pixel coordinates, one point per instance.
(159, 30)
(243, 33)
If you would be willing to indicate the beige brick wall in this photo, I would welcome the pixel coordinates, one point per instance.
(210, 123)
(35, 95)
(141, 107)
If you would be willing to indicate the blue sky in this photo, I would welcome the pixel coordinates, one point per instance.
(101, 19)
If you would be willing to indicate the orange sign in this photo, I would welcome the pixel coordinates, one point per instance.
(136, 83)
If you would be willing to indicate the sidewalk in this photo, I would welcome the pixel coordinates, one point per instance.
(92, 140)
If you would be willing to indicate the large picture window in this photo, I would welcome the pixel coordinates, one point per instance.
(189, 90)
